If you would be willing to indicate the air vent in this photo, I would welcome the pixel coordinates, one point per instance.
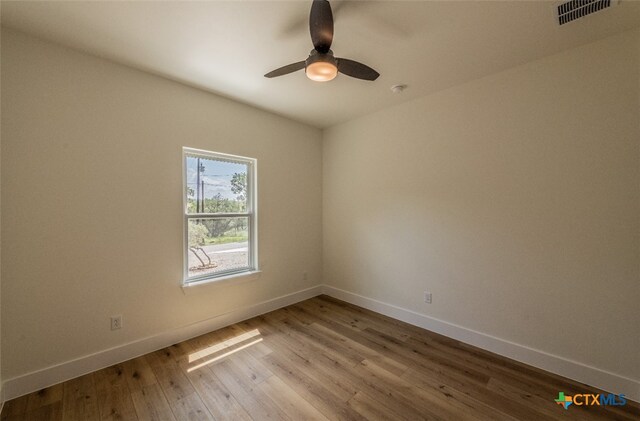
(575, 9)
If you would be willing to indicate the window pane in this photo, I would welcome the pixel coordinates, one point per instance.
(217, 245)
(216, 185)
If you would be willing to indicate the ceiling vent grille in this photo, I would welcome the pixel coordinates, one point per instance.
(575, 9)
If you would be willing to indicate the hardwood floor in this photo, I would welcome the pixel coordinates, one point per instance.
(321, 359)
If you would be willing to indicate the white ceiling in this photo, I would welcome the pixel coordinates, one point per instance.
(226, 46)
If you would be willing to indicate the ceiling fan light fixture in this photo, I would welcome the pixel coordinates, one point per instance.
(321, 67)
(321, 71)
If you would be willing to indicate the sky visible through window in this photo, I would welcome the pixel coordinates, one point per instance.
(215, 175)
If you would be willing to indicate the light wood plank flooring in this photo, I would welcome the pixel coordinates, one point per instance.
(321, 359)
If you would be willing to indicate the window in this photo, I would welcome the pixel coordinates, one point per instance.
(220, 215)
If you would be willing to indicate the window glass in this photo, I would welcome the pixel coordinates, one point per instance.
(220, 219)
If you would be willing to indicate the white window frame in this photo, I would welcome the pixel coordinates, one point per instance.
(251, 214)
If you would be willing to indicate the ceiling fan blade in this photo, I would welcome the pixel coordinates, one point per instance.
(321, 25)
(297, 26)
(355, 69)
(285, 70)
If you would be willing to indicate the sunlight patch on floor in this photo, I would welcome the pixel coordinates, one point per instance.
(222, 349)
(223, 345)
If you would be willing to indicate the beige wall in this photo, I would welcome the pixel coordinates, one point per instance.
(92, 207)
(514, 199)
(1, 390)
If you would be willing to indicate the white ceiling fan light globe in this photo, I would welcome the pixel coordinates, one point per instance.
(321, 71)
(321, 67)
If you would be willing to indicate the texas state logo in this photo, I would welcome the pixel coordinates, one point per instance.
(563, 400)
(590, 399)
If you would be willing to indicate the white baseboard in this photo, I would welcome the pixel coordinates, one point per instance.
(610, 382)
(31, 382)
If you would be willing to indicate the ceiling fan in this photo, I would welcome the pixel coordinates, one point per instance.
(321, 65)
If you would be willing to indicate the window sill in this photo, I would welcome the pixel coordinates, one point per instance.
(235, 278)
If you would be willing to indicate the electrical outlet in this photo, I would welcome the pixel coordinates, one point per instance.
(304, 276)
(116, 322)
(427, 297)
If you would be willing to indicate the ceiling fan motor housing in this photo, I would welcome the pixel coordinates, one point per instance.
(315, 57)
